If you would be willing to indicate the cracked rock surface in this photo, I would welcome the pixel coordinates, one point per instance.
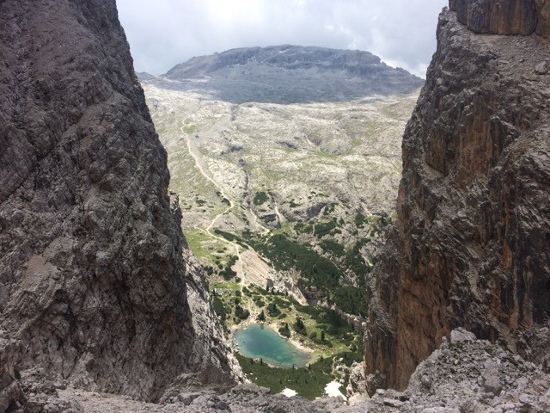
(94, 287)
(471, 245)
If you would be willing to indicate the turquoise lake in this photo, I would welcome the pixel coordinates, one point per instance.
(258, 341)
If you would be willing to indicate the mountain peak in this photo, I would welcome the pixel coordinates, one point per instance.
(290, 74)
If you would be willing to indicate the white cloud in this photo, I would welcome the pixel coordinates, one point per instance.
(163, 33)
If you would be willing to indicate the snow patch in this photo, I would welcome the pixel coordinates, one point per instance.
(333, 390)
(289, 392)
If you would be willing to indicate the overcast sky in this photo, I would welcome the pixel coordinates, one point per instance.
(163, 33)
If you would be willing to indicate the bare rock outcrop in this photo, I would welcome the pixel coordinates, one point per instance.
(471, 246)
(11, 392)
(506, 17)
(94, 288)
(467, 375)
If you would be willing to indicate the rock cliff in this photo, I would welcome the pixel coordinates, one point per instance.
(472, 243)
(94, 289)
(504, 17)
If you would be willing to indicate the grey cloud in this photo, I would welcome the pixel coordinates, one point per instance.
(163, 33)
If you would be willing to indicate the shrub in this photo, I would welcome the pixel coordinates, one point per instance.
(360, 220)
(332, 247)
(219, 308)
(324, 228)
(261, 316)
(350, 299)
(300, 327)
(272, 309)
(284, 330)
(260, 198)
(241, 312)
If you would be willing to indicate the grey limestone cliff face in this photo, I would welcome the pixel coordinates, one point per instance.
(94, 289)
(507, 17)
(472, 242)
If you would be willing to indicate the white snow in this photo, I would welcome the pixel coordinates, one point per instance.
(289, 392)
(333, 390)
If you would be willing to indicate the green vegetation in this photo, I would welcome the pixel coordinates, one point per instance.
(350, 299)
(285, 254)
(329, 245)
(320, 329)
(226, 272)
(272, 309)
(284, 330)
(329, 209)
(309, 381)
(360, 220)
(231, 237)
(241, 313)
(188, 127)
(219, 308)
(293, 204)
(285, 312)
(300, 327)
(324, 228)
(354, 261)
(202, 245)
(260, 198)
(227, 235)
(261, 316)
(328, 320)
(303, 228)
(318, 271)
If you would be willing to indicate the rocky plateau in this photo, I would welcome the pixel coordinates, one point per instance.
(289, 74)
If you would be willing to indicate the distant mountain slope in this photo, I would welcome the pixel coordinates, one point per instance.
(144, 76)
(289, 74)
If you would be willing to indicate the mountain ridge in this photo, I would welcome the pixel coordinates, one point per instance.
(289, 74)
(286, 56)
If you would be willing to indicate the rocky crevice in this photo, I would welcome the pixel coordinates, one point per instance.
(471, 244)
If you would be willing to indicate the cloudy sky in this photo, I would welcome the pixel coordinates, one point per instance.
(163, 33)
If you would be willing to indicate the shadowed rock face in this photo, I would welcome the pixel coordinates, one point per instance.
(472, 246)
(93, 285)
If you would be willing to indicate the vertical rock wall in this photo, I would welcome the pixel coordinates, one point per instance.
(93, 286)
(472, 243)
(507, 17)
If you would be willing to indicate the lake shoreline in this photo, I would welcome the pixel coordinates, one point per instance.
(272, 327)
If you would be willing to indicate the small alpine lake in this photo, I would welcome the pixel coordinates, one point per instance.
(260, 341)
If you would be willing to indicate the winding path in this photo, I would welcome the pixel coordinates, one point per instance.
(208, 230)
(229, 208)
